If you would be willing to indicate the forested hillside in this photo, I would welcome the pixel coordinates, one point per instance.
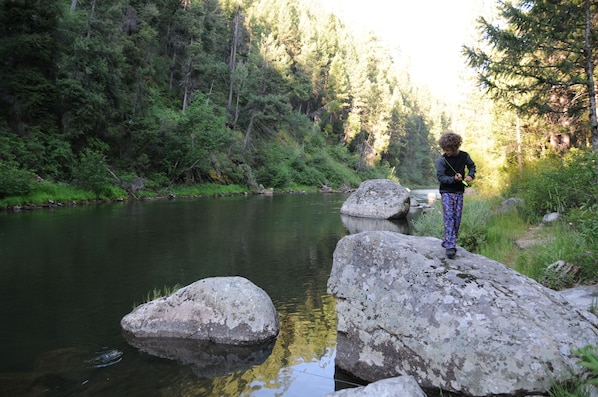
(249, 92)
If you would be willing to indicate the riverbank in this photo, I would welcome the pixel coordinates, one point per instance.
(48, 195)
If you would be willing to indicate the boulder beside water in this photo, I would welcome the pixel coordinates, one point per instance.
(378, 198)
(470, 326)
(224, 310)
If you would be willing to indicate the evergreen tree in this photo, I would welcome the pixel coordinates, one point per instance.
(540, 61)
(29, 49)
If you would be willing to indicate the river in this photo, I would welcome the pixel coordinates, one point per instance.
(67, 277)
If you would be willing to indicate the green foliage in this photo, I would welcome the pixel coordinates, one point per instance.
(154, 84)
(207, 189)
(585, 222)
(568, 246)
(14, 181)
(474, 224)
(158, 293)
(589, 360)
(45, 153)
(530, 60)
(430, 223)
(502, 230)
(558, 184)
(45, 192)
(579, 387)
(92, 172)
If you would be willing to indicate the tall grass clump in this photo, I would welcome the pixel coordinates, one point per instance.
(502, 230)
(557, 184)
(565, 245)
(158, 293)
(473, 231)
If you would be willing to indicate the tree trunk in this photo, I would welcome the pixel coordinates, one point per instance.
(92, 17)
(248, 133)
(590, 74)
(73, 5)
(185, 97)
(519, 153)
(233, 59)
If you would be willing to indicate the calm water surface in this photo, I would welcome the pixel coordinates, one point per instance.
(68, 276)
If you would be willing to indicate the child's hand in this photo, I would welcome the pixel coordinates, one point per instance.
(468, 178)
(458, 177)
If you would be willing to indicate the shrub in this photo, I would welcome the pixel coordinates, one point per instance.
(558, 184)
(92, 172)
(14, 182)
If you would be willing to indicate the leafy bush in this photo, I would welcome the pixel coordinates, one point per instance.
(14, 181)
(558, 184)
(92, 172)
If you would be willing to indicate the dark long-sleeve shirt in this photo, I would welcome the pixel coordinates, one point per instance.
(446, 174)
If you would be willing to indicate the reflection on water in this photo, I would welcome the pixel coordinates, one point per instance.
(425, 196)
(72, 274)
(68, 276)
(357, 225)
(207, 360)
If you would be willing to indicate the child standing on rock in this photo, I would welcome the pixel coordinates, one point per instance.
(450, 171)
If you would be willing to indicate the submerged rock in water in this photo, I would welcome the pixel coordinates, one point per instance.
(105, 358)
(470, 326)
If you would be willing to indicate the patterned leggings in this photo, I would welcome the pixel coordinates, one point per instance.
(452, 207)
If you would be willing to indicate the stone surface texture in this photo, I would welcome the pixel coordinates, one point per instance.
(378, 198)
(226, 310)
(470, 325)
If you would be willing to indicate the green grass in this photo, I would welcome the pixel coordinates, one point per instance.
(472, 233)
(158, 293)
(567, 245)
(45, 191)
(502, 229)
(207, 189)
(578, 387)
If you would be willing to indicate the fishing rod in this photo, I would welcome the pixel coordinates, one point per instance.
(449, 164)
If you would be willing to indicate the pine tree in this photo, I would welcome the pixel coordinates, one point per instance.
(540, 60)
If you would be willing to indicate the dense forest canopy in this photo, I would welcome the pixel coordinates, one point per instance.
(271, 92)
(278, 93)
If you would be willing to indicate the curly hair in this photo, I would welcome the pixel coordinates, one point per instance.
(450, 140)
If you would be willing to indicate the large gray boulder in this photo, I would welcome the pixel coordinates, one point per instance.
(470, 326)
(401, 386)
(225, 310)
(378, 198)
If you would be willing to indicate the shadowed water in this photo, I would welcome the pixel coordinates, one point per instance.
(68, 276)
